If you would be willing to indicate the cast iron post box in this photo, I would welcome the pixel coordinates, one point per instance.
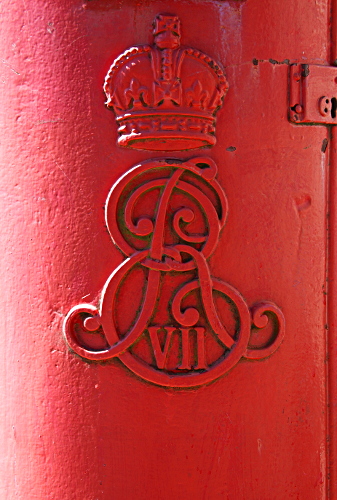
(168, 250)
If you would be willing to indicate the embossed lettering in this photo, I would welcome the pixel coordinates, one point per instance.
(165, 247)
(159, 353)
(185, 350)
(200, 349)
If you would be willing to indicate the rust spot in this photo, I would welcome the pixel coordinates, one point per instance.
(305, 70)
(173, 161)
(324, 145)
(274, 61)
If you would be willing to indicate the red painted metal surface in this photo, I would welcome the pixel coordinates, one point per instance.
(97, 430)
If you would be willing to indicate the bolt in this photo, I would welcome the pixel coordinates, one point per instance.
(298, 109)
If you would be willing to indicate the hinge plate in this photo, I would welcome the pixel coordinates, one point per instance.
(313, 94)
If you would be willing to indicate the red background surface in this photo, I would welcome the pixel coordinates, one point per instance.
(76, 430)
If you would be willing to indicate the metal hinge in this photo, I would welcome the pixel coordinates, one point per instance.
(313, 94)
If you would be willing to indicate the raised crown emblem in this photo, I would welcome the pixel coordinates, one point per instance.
(165, 96)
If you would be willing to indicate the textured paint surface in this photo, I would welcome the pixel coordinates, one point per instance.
(71, 429)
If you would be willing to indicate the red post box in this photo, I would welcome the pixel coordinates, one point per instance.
(167, 171)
